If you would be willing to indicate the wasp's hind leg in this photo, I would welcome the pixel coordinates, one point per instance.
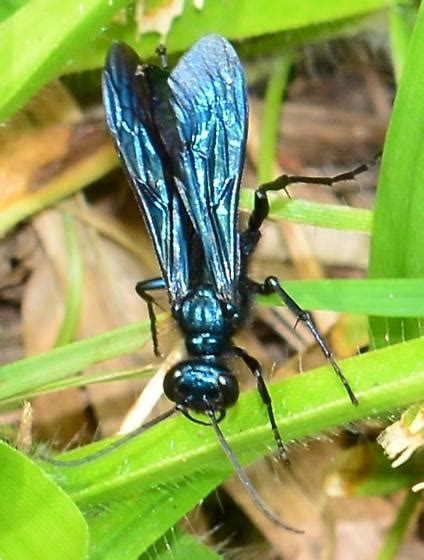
(261, 203)
(142, 289)
(271, 285)
(283, 181)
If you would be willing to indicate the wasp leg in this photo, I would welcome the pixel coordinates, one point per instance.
(271, 285)
(256, 370)
(142, 289)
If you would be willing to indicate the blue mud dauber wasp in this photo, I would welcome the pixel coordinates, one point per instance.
(181, 136)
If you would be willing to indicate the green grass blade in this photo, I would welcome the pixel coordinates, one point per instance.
(294, 23)
(391, 297)
(59, 36)
(37, 519)
(31, 373)
(397, 248)
(312, 213)
(177, 545)
(277, 83)
(75, 283)
(396, 533)
(9, 7)
(172, 466)
(40, 38)
(402, 21)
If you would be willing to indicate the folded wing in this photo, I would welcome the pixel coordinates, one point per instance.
(133, 96)
(208, 97)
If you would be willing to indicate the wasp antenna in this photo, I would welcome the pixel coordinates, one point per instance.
(245, 480)
(112, 447)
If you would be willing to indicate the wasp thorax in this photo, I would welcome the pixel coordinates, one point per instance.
(202, 312)
(206, 322)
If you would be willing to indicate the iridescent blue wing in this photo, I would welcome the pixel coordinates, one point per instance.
(133, 93)
(208, 97)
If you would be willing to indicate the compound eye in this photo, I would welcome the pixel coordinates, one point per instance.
(170, 385)
(229, 389)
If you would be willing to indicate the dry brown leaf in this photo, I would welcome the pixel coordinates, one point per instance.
(48, 152)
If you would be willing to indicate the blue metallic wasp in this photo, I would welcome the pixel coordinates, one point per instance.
(181, 137)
